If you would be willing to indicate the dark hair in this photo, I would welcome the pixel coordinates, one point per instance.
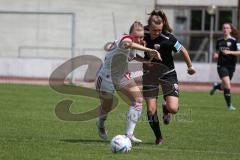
(235, 33)
(162, 17)
(134, 25)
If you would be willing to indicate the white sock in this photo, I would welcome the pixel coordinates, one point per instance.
(134, 114)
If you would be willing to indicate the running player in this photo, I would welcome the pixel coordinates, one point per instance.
(114, 75)
(226, 51)
(158, 36)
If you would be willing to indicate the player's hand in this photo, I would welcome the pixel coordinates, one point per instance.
(226, 52)
(215, 56)
(154, 54)
(191, 71)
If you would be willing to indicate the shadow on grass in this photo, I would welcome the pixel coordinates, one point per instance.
(91, 141)
(85, 141)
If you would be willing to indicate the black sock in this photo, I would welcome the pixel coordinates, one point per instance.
(218, 86)
(165, 110)
(227, 96)
(154, 123)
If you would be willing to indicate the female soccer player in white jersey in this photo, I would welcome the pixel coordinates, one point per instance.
(114, 75)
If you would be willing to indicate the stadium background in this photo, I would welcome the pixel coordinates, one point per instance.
(39, 35)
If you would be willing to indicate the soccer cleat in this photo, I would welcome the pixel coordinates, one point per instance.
(134, 139)
(166, 115)
(159, 141)
(213, 88)
(101, 131)
(231, 108)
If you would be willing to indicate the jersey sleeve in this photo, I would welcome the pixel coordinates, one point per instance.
(175, 43)
(122, 38)
(237, 46)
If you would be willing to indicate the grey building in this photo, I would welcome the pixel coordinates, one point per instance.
(198, 23)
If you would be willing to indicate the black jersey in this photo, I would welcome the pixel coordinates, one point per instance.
(226, 44)
(165, 43)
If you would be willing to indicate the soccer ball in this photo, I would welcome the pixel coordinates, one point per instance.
(121, 144)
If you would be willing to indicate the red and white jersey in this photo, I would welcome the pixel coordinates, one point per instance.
(116, 61)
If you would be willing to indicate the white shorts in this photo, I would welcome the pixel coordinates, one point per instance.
(105, 84)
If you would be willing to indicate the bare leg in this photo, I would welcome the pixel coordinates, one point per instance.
(226, 82)
(172, 104)
(105, 107)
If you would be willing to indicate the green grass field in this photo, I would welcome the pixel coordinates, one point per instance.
(30, 130)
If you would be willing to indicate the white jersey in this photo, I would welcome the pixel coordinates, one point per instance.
(116, 61)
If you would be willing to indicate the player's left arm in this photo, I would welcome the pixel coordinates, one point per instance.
(188, 61)
(178, 47)
(231, 52)
(235, 52)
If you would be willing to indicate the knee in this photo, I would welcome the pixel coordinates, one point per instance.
(151, 106)
(139, 100)
(151, 110)
(227, 86)
(138, 103)
(173, 109)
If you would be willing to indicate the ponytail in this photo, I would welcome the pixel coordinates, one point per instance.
(162, 15)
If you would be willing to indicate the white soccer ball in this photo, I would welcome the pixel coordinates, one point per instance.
(121, 144)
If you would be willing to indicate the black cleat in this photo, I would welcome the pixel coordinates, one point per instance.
(166, 115)
(159, 141)
(213, 90)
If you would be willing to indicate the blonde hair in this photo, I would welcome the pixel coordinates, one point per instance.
(135, 24)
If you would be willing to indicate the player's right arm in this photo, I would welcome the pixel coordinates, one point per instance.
(215, 55)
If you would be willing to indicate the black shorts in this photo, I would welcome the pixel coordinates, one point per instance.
(224, 71)
(152, 84)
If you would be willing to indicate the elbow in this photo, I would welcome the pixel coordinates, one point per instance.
(126, 45)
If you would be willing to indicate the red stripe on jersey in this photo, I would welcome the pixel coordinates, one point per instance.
(112, 45)
(126, 36)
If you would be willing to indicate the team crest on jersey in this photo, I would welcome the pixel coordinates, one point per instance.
(229, 44)
(157, 46)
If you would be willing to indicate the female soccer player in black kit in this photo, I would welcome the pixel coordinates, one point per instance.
(226, 51)
(158, 36)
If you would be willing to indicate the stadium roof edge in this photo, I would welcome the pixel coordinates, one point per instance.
(203, 3)
(188, 6)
